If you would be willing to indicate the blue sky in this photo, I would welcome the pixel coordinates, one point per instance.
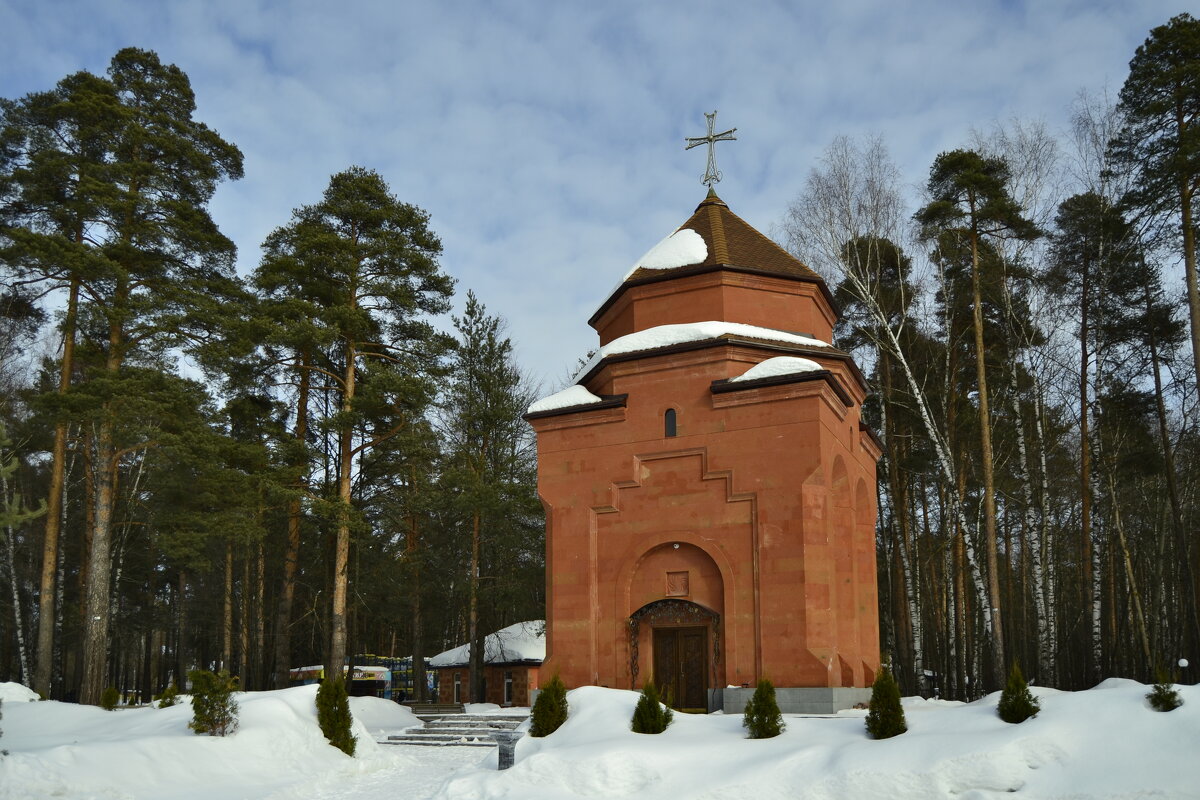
(545, 139)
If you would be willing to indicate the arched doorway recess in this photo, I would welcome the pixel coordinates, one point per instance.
(685, 639)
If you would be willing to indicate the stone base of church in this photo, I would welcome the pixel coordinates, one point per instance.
(792, 700)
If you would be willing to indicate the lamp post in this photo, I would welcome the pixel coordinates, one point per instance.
(507, 740)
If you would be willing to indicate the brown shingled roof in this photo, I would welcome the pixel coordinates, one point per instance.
(732, 242)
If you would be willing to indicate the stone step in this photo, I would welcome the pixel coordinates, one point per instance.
(495, 725)
(463, 731)
(472, 717)
(442, 740)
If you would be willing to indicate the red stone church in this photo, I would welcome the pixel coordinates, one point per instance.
(709, 486)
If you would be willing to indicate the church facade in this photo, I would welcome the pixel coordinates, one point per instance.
(709, 486)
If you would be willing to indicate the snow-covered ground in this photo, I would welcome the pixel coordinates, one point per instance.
(1105, 742)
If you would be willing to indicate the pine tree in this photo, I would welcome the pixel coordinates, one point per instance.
(1160, 139)
(169, 696)
(214, 711)
(492, 468)
(153, 264)
(1017, 703)
(1163, 695)
(762, 717)
(971, 201)
(650, 715)
(368, 271)
(110, 698)
(885, 718)
(550, 709)
(333, 714)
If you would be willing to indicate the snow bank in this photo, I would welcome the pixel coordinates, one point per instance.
(73, 751)
(780, 365)
(17, 693)
(382, 717)
(1100, 743)
(682, 248)
(524, 641)
(667, 335)
(571, 396)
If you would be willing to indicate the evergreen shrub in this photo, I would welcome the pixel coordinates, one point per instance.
(762, 718)
(885, 718)
(169, 696)
(550, 709)
(651, 716)
(110, 698)
(214, 711)
(1163, 696)
(1017, 704)
(333, 714)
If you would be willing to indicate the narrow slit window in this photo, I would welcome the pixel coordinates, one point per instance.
(669, 423)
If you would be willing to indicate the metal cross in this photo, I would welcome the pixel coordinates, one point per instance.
(711, 174)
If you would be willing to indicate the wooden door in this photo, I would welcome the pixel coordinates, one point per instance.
(681, 667)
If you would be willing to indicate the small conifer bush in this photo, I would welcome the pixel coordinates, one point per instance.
(550, 709)
(1017, 704)
(885, 718)
(169, 696)
(651, 716)
(1163, 696)
(110, 698)
(214, 711)
(333, 714)
(762, 718)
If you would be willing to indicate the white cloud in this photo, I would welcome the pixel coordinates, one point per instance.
(546, 139)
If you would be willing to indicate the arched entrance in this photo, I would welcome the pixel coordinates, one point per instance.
(685, 640)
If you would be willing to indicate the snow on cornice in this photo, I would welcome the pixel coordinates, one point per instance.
(571, 396)
(780, 365)
(667, 335)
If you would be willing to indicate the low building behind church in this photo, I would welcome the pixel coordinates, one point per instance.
(512, 659)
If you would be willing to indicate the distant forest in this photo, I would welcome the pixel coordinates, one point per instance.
(1033, 358)
(201, 469)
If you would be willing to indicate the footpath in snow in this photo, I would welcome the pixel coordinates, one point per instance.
(1103, 743)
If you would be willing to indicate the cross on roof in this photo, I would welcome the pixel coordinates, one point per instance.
(711, 174)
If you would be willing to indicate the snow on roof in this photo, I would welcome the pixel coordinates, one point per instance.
(780, 365)
(571, 396)
(524, 641)
(682, 248)
(667, 335)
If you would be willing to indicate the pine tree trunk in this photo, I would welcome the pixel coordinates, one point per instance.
(181, 622)
(475, 667)
(227, 610)
(260, 619)
(96, 598)
(291, 551)
(245, 617)
(1186, 547)
(1139, 615)
(417, 648)
(991, 551)
(1085, 471)
(420, 692)
(341, 562)
(43, 674)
